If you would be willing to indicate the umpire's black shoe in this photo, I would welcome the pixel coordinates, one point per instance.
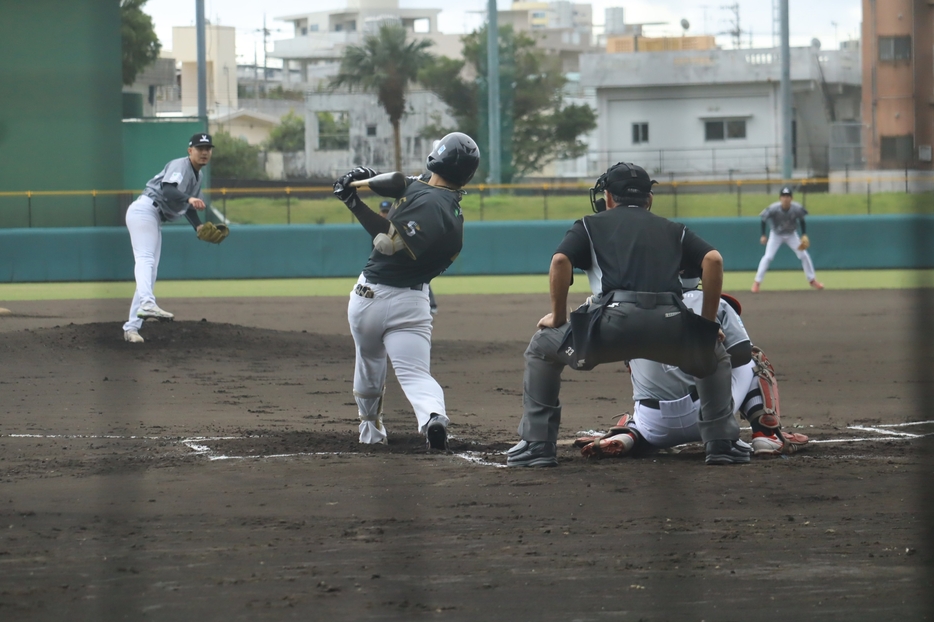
(533, 454)
(727, 452)
(436, 433)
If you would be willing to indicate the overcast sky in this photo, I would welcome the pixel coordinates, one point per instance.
(830, 21)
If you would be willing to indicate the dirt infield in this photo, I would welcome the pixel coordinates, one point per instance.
(213, 473)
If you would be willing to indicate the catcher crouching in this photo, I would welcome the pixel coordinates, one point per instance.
(667, 407)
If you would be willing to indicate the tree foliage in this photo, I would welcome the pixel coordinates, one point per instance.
(140, 44)
(235, 158)
(289, 135)
(545, 128)
(385, 63)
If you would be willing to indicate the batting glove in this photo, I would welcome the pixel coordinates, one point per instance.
(362, 172)
(342, 188)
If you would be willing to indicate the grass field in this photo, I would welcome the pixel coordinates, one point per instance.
(445, 285)
(275, 210)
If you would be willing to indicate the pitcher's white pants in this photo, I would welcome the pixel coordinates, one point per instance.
(396, 322)
(771, 247)
(145, 226)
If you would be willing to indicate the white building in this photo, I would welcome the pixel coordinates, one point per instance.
(320, 37)
(221, 59)
(561, 28)
(716, 112)
(343, 130)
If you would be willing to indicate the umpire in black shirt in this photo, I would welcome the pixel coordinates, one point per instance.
(632, 259)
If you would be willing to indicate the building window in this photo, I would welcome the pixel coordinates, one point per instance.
(371, 130)
(304, 31)
(333, 131)
(313, 28)
(640, 133)
(725, 129)
(897, 148)
(894, 48)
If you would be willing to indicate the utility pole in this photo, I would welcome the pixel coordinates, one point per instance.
(735, 31)
(787, 155)
(492, 78)
(202, 63)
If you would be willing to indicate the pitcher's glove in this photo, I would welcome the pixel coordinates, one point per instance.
(805, 243)
(342, 188)
(215, 234)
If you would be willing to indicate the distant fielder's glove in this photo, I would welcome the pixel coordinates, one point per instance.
(805, 243)
(215, 234)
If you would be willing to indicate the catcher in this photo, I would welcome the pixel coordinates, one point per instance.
(173, 193)
(667, 405)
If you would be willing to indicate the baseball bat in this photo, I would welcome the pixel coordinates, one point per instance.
(386, 184)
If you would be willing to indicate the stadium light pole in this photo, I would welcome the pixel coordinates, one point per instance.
(492, 79)
(785, 91)
(202, 63)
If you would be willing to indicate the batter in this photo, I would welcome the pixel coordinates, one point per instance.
(389, 311)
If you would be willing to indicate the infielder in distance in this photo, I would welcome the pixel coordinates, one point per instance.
(389, 310)
(173, 193)
(783, 216)
(667, 409)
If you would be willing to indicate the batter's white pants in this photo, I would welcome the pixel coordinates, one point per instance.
(675, 422)
(145, 226)
(396, 322)
(771, 247)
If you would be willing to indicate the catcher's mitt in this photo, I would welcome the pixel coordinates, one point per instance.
(805, 243)
(215, 234)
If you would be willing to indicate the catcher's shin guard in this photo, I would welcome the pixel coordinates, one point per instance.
(765, 414)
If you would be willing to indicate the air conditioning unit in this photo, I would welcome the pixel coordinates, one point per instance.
(924, 153)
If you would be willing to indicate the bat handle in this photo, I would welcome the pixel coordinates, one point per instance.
(360, 183)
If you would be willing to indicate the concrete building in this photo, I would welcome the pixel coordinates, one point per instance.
(249, 125)
(156, 85)
(716, 112)
(320, 37)
(561, 28)
(221, 56)
(898, 83)
(343, 130)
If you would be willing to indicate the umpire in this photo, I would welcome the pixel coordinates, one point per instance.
(632, 259)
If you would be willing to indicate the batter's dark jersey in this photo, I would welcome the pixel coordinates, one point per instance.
(632, 249)
(429, 221)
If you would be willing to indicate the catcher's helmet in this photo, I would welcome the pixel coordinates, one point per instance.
(455, 157)
(621, 179)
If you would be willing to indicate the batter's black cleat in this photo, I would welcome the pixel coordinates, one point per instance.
(728, 452)
(533, 454)
(436, 433)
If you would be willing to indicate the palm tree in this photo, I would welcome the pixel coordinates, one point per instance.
(385, 63)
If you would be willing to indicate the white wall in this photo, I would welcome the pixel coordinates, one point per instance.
(676, 118)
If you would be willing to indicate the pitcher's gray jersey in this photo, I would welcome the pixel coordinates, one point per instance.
(180, 173)
(656, 381)
(783, 222)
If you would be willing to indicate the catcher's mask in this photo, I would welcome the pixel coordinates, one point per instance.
(622, 179)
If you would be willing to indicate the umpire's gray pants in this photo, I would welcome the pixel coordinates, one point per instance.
(541, 407)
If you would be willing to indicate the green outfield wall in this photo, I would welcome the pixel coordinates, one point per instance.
(61, 107)
(307, 251)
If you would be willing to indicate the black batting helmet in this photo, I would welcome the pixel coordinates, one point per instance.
(621, 179)
(455, 157)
